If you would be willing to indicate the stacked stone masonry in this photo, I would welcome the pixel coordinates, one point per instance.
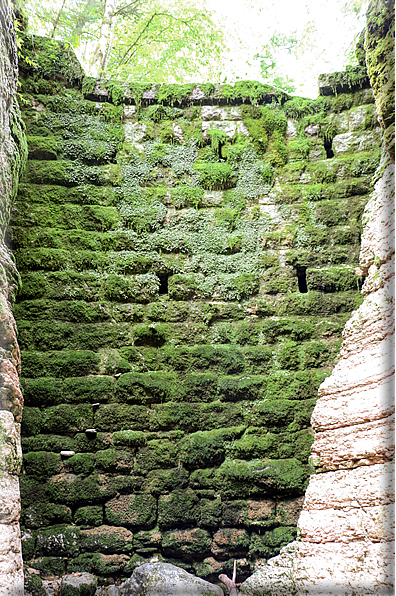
(188, 263)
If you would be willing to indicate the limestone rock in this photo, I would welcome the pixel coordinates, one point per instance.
(350, 141)
(79, 584)
(163, 579)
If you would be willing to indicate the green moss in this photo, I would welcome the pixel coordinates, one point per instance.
(106, 539)
(49, 566)
(81, 463)
(198, 388)
(157, 454)
(171, 94)
(50, 59)
(238, 478)
(89, 516)
(138, 510)
(334, 279)
(186, 196)
(340, 82)
(237, 388)
(187, 543)
(178, 509)
(114, 417)
(154, 334)
(207, 447)
(256, 92)
(40, 514)
(41, 463)
(42, 148)
(114, 460)
(98, 564)
(215, 176)
(34, 585)
(159, 482)
(145, 388)
(60, 195)
(116, 93)
(269, 544)
(65, 418)
(60, 364)
(58, 541)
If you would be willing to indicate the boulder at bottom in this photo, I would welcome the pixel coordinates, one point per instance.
(81, 584)
(164, 579)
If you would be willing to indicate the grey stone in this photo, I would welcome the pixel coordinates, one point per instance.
(220, 113)
(291, 131)
(83, 584)
(357, 117)
(355, 142)
(312, 130)
(164, 579)
(340, 121)
(229, 127)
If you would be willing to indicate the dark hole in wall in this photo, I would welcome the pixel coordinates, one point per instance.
(302, 279)
(328, 148)
(163, 277)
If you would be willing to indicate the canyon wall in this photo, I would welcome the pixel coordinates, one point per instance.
(12, 157)
(347, 524)
(188, 259)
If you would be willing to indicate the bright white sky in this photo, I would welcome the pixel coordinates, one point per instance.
(325, 29)
(250, 24)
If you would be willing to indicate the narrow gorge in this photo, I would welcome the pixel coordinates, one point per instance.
(189, 268)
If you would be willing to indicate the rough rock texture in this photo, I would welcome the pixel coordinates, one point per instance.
(12, 157)
(347, 524)
(163, 579)
(171, 353)
(78, 584)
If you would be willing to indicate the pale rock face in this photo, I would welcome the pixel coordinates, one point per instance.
(163, 579)
(340, 121)
(220, 113)
(229, 127)
(291, 131)
(350, 141)
(357, 117)
(378, 237)
(11, 567)
(134, 132)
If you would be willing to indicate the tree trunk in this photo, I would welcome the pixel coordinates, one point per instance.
(102, 51)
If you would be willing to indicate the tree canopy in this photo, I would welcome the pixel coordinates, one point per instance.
(284, 43)
(148, 40)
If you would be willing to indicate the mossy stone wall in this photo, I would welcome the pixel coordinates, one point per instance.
(188, 263)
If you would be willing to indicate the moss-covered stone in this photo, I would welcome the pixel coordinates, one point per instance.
(187, 543)
(89, 516)
(238, 478)
(41, 514)
(106, 539)
(41, 463)
(178, 509)
(58, 541)
(137, 511)
(207, 447)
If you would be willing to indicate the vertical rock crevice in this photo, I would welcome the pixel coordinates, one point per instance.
(13, 153)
